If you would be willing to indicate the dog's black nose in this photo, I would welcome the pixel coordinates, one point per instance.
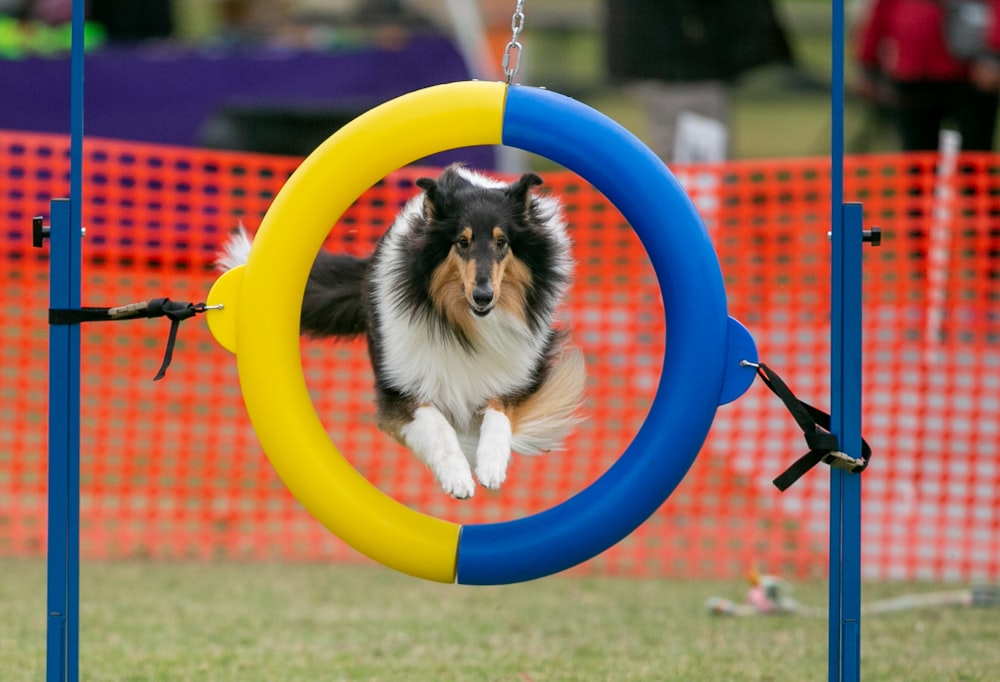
(482, 296)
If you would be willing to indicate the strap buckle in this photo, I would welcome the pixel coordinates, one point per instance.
(815, 424)
(842, 460)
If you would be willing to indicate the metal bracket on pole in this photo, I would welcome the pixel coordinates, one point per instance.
(40, 231)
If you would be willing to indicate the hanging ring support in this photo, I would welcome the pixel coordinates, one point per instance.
(511, 62)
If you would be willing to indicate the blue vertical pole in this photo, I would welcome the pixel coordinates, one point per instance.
(63, 571)
(845, 392)
(64, 449)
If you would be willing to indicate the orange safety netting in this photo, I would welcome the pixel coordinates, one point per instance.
(172, 469)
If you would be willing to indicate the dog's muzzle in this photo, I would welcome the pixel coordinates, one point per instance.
(482, 300)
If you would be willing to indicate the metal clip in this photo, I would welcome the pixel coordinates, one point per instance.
(841, 460)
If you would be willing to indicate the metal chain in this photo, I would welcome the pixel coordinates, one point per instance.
(512, 53)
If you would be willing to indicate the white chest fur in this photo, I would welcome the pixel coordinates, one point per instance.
(435, 367)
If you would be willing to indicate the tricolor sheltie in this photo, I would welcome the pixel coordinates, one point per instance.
(458, 302)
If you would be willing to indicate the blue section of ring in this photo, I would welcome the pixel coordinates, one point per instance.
(646, 192)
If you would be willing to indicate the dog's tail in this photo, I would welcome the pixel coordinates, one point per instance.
(235, 250)
(543, 421)
(335, 300)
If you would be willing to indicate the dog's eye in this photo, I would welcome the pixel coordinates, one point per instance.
(501, 242)
(462, 243)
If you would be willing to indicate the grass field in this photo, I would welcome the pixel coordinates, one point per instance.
(248, 622)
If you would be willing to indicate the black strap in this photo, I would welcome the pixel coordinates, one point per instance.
(156, 307)
(815, 425)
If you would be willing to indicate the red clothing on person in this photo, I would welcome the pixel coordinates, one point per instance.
(905, 40)
(908, 67)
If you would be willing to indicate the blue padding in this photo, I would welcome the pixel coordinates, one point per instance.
(694, 300)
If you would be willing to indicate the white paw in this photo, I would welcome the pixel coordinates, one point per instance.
(433, 440)
(493, 452)
(455, 477)
(491, 467)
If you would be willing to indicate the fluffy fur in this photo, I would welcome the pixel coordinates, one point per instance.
(458, 302)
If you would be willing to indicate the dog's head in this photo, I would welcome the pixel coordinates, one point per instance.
(475, 226)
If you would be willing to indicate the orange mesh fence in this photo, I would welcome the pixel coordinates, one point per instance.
(172, 469)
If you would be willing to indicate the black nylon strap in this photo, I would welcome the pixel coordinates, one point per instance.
(175, 311)
(815, 425)
(797, 470)
(64, 316)
(168, 354)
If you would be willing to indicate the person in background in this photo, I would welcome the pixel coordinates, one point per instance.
(127, 21)
(932, 71)
(683, 56)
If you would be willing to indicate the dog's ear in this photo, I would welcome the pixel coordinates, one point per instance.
(433, 201)
(441, 195)
(518, 191)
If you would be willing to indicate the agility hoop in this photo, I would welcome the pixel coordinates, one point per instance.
(262, 303)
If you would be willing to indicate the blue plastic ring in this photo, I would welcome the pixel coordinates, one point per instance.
(694, 301)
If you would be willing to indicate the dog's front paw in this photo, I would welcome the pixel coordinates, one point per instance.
(455, 478)
(491, 469)
(433, 440)
(493, 451)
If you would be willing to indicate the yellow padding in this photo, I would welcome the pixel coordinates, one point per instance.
(222, 321)
(270, 302)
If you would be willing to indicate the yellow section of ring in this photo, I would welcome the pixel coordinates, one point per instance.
(268, 356)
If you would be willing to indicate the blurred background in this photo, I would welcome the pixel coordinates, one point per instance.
(278, 76)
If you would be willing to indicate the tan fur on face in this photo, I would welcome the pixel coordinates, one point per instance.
(453, 282)
(468, 269)
(516, 278)
(447, 290)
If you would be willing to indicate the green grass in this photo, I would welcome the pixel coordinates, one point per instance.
(228, 621)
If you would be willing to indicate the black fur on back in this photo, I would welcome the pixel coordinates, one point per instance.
(335, 300)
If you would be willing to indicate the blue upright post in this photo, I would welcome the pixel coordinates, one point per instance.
(845, 394)
(65, 229)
